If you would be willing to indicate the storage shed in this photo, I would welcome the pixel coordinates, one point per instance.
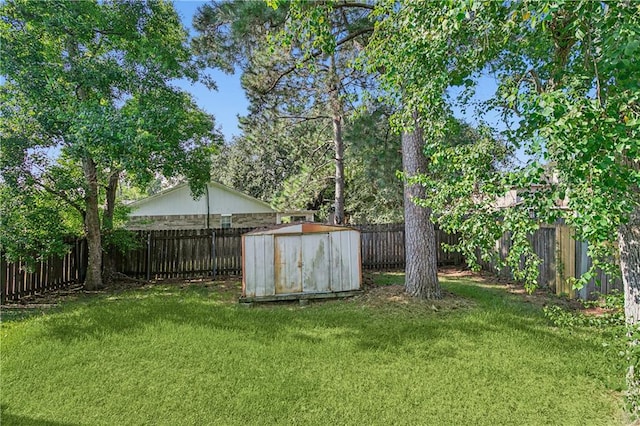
(300, 261)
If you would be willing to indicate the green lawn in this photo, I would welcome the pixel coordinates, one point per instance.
(179, 355)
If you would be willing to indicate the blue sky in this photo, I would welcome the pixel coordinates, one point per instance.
(229, 100)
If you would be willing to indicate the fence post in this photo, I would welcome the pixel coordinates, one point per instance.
(3, 278)
(213, 252)
(149, 256)
(77, 260)
(565, 260)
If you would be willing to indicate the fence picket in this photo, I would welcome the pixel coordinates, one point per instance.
(196, 253)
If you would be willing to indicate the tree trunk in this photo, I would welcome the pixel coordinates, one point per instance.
(337, 113)
(93, 279)
(421, 278)
(109, 266)
(629, 242)
(339, 151)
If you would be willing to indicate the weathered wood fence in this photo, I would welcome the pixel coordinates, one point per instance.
(202, 252)
(218, 252)
(563, 258)
(169, 254)
(382, 247)
(184, 253)
(19, 279)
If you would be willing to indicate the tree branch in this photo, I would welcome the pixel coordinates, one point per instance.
(536, 80)
(353, 5)
(315, 55)
(308, 178)
(303, 118)
(108, 32)
(62, 196)
(111, 188)
(595, 68)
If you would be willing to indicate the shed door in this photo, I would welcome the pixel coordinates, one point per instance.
(316, 272)
(302, 263)
(288, 264)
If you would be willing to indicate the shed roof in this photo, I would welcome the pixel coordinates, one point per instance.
(300, 228)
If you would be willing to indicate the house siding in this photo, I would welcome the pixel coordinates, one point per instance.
(240, 220)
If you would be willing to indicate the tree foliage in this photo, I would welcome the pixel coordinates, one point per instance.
(372, 163)
(285, 77)
(290, 165)
(282, 163)
(309, 22)
(567, 87)
(34, 224)
(87, 97)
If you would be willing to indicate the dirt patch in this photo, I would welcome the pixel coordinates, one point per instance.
(49, 298)
(540, 297)
(457, 272)
(395, 295)
(229, 289)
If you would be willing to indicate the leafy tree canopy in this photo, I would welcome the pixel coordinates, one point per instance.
(287, 79)
(567, 88)
(88, 97)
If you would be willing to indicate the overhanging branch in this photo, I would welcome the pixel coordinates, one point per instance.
(64, 197)
(315, 54)
(353, 5)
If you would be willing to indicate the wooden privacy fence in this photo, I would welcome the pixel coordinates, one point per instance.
(194, 253)
(563, 258)
(218, 252)
(184, 253)
(382, 247)
(207, 252)
(18, 279)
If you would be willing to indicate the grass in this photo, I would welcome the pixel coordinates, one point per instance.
(174, 354)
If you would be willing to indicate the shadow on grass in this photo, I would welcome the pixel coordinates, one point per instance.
(20, 314)
(366, 328)
(6, 418)
(273, 349)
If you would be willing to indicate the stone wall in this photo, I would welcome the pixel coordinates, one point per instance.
(243, 220)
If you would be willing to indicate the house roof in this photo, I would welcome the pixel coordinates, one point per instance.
(163, 193)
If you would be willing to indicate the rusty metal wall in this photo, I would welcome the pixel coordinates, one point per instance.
(316, 262)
